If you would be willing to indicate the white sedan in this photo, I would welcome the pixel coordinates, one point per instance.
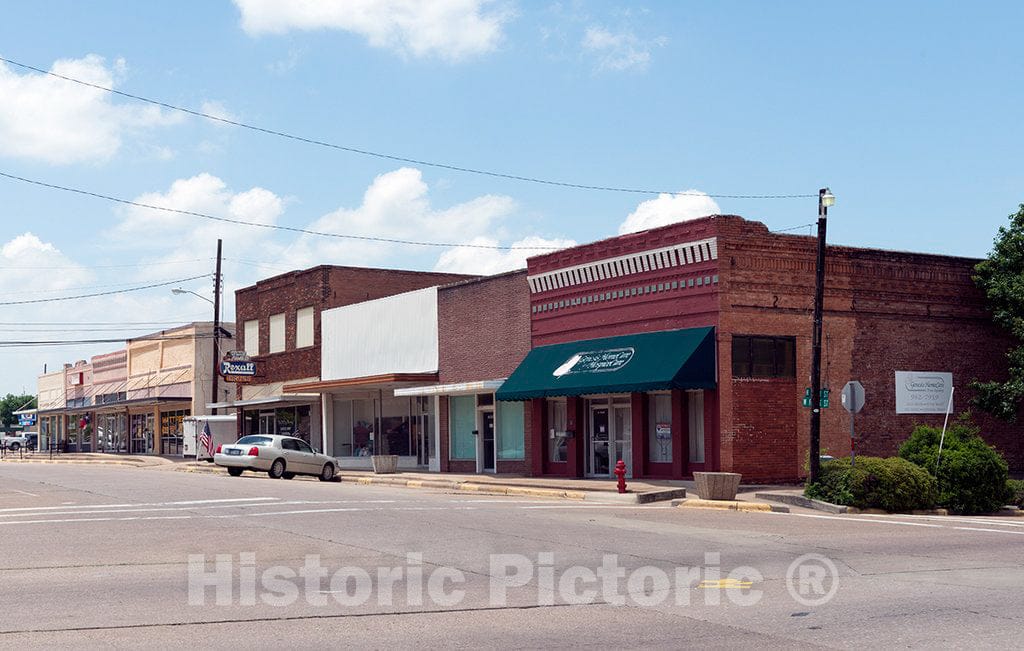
(278, 456)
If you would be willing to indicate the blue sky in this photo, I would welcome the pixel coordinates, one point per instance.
(909, 111)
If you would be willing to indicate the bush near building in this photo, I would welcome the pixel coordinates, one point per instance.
(1015, 489)
(891, 484)
(972, 476)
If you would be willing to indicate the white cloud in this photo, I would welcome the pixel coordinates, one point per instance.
(61, 122)
(397, 205)
(451, 30)
(217, 110)
(668, 209)
(619, 51)
(486, 261)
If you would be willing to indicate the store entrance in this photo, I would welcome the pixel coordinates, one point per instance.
(610, 437)
(487, 447)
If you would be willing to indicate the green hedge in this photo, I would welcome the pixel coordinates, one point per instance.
(971, 475)
(891, 484)
(1015, 490)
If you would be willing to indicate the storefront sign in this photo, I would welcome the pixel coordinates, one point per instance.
(920, 392)
(236, 356)
(229, 367)
(26, 420)
(597, 361)
(663, 431)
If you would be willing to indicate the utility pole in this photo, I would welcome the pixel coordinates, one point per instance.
(825, 199)
(216, 329)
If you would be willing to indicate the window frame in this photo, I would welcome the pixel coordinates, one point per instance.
(282, 318)
(304, 337)
(781, 368)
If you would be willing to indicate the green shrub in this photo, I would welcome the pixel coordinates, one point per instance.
(971, 474)
(1015, 490)
(891, 484)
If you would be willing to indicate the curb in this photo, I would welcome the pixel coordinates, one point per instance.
(490, 489)
(729, 505)
(805, 502)
(82, 462)
(485, 489)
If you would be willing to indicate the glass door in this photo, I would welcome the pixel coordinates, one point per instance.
(487, 439)
(600, 437)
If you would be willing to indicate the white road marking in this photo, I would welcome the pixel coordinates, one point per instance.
(236, 500)
(24, 492)
(1003, 521)
(880, 519)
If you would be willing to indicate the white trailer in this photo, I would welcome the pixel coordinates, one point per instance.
(223, 430)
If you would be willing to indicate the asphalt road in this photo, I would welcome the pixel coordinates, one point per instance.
(100, 557)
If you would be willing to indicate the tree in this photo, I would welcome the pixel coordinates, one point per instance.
(12, 403)
(1001, 277)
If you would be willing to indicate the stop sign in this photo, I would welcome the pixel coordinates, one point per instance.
(853, 397)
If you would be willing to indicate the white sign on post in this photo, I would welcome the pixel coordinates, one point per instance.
(921, 392)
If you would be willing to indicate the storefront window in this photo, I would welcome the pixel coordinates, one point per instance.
(142, 426)
(696, 410)
(362, 428)
(110, 433)
(171, 428)
(462, 422)
(394, 426)
(660, 428)
(511, 428)
(557, 420)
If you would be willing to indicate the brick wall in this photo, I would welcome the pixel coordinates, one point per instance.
(884, 311)
(763, 436)
(651, 303)
(323, 288)
(484, 327)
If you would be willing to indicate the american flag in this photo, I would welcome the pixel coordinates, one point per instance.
(206, 439)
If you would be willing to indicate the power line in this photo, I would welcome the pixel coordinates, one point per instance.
(392, 157)
(171, 322)
(81, 342)
(277, 227)
(112, 266)
(69, 289)
(119, 291)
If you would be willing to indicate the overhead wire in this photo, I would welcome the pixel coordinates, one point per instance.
(277, 227)
(95, 294)
(391, 157)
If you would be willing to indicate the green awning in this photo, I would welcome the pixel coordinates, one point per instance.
(673, 359)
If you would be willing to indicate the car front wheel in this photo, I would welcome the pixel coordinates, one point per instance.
(327, 474)
(276, 469)
(15, 447)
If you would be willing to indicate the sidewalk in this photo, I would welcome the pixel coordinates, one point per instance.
(596, 490)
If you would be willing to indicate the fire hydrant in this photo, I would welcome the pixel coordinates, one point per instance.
(620, 472)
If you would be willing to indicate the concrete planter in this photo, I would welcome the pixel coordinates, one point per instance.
(717, 485)
(385, 463)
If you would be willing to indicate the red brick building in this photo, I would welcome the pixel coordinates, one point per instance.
(483, 333)
(599, 305)
(279, 326)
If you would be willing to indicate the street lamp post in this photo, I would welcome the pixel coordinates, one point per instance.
(216, 323)
(825, 199)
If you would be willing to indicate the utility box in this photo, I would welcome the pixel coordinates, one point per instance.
(223, 430)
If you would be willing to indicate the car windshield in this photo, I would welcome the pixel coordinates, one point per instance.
(255, 440)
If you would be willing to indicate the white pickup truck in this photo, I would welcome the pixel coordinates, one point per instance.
(15, 442)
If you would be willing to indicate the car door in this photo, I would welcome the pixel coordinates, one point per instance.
(309, 457)
(294, 460)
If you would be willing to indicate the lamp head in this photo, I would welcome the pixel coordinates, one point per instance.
(176, 290)
(826, 197)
